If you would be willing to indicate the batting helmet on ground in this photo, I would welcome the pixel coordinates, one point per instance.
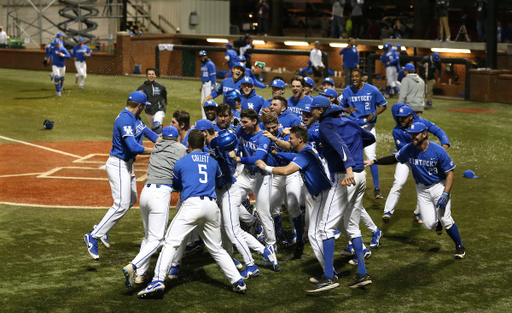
(226, 141)
(48, 124)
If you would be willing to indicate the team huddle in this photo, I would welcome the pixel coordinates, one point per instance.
(302, 154)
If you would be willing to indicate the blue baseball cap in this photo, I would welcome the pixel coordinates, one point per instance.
(202, 53)
(398, 47)
(59, 34)
(247, 80)
(470, 174)
(241, 58)
(278, 83)
(320, 102)
(57, 41)
(307, 108)
(204, 124)
(229, 45)
(409, 67)
(328, 80)
(417, 127)
(309, 81)
(139, 96)
(210, 103)
(330, 92)
(405, 110)
(170, 132)
(240, 64)
(389, 44)
(80, 39)
(436, 57)
(385, 47)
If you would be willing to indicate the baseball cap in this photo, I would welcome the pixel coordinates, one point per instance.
(405, 110)
(317, 42)
(470, 174)
(409, 67)
(59, 34)
(417, 127)
(436, 57)
(329, 92)
(309, 81)
(80, 39)
(139, 96)
(389, 44)
(320, 102)
(307, 108)
(241, 58)
(229, 45)
(202, 53)
(398, 47)
(204, 124)
(170, 132)
(240, 64)
(210, 103)
(57, 41)
(247, 80)
(278, 83)
(385, 47)
(328, 80)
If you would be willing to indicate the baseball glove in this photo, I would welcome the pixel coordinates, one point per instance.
(45, 62)
(48, 124)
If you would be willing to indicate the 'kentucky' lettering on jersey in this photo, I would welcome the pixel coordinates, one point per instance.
(140, 127)
(419, 162)
(361, 98)
(199, 158)
(249, 145)
(226, 89)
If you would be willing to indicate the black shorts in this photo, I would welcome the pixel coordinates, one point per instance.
(317, 73)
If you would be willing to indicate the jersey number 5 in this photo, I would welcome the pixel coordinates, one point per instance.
(203, 173)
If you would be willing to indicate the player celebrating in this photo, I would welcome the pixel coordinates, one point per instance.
(432, 170)
(208, 76)
(157, 96)
(59, 36)
(327, 83)
(299, 100)
(79, 53)
(59, 54)
(129, 130)
(309, 86)
(155, 199)
(248, 72)
(195, 176)
(365, 103)
(231, 56)
(228, 84)
(278, 87)
(250, 100)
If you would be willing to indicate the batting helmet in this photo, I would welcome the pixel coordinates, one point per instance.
(231, 96)
(157, 127)
(202, 53)
(226, 141)
(48, 124)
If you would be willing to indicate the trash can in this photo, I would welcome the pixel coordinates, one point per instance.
(137, 69)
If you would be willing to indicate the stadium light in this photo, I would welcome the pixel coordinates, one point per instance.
(450, 50)
(296, 43)
(404, 48)
(338, 45)
(258, 42)
(380, 47)
(219, 40)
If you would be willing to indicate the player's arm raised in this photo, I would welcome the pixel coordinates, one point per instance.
(282, 170)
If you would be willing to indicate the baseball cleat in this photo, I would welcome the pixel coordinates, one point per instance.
(270, 255)
(250, 271)
(349, 251)
(439, 228)
(259, 234)
(337, 234)
(59, 93)
(81, 86)
(240, 287)
(360, 281)
(324, 284)
(386, 96)
(92, 246)
(418, 218)
(129, 274)
(366, 253)
(386, 217)
(140, 279)
(289, 241)
(316, 280)
(460, 252)
(377, 194)
(376, 239)
(103, 239)
(173, 274)
(238, 265)
(154, 288)
(299, 250)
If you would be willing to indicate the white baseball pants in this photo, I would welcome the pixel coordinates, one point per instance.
(206, 90)
(81, 68)
(401, 175)
(369, 151)
(391, 76)
(427, 201)
(158, 117)
(58, 71)
(314, 209)
(287, 190)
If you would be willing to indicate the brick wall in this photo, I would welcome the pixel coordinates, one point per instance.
(504, 88)
(484, 85)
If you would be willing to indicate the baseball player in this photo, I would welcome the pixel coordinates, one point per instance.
(59, 54)
(364, 102)
(208, 77)
(79, 53)
(248, 72)
(228, 84)
(350, 59)
(48, 49)
(230, 56)
(433, 171)
(3, 37)
(181, 120)
(279, 106)
(195, 176)
(343, 142)
(155, 199)
(209, 111)
(129, 130)
(278, 87)
(309, 86)
(390, 59)
(157, 96)
(233, 98)
(250, 100)
(405, 117)
(327, 83)
(299, 100)
(254, 146)
(332, 95)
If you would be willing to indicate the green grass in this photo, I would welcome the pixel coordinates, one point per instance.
(46, 267)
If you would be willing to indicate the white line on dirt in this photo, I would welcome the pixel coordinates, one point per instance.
(41, 147)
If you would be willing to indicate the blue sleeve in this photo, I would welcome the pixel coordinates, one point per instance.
(344, 100)
(394, 60)
(436, 131)
(149, 134)
(368, 138)
(379, 99)
(445, 162)
(89, 51)
(217, 91)
(176, 179)
(342, 51)
(73, 52)
(287, 156)
(257, 83)
(132, 145)
(330, 135)
(218, 176)
(399, 137)
(213, 73)
(357, 58)
(258, 155)
(66, 53)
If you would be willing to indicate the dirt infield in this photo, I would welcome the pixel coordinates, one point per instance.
(60, 174)
(485, 111)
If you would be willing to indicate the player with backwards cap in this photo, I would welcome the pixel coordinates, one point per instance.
(433, 171)
(129, 130)
(208, 77)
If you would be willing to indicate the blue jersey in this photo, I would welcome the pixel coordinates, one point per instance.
(390, 56)
(184, 141)
(227, 167)
(350, 57)
(226, 85)
(209, 73)
(57, 60)
(249, 73)
(287, 119)
(128, 125)
(252, 101)
(314, 138)
(312, 171)
(232, 57)
(195, 175)
(366, 100)
(266, 105)
(296, 107)
(252, 148)
(50, 46)
(79, 52)
(429, 166)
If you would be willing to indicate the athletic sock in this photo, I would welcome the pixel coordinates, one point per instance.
(278, 222)
(358, 248)
(375, 175)
(329, 257)
(388, 90)
(396, 90)
(299, 227)
(453, 232)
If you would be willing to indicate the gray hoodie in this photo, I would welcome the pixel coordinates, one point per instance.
(412, 92)
(161, 162)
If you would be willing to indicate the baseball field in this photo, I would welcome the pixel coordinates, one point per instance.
(53, 188)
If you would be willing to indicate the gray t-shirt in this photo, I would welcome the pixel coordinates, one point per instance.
(161, 162)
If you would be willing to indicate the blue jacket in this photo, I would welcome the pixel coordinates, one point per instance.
(252, 101)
